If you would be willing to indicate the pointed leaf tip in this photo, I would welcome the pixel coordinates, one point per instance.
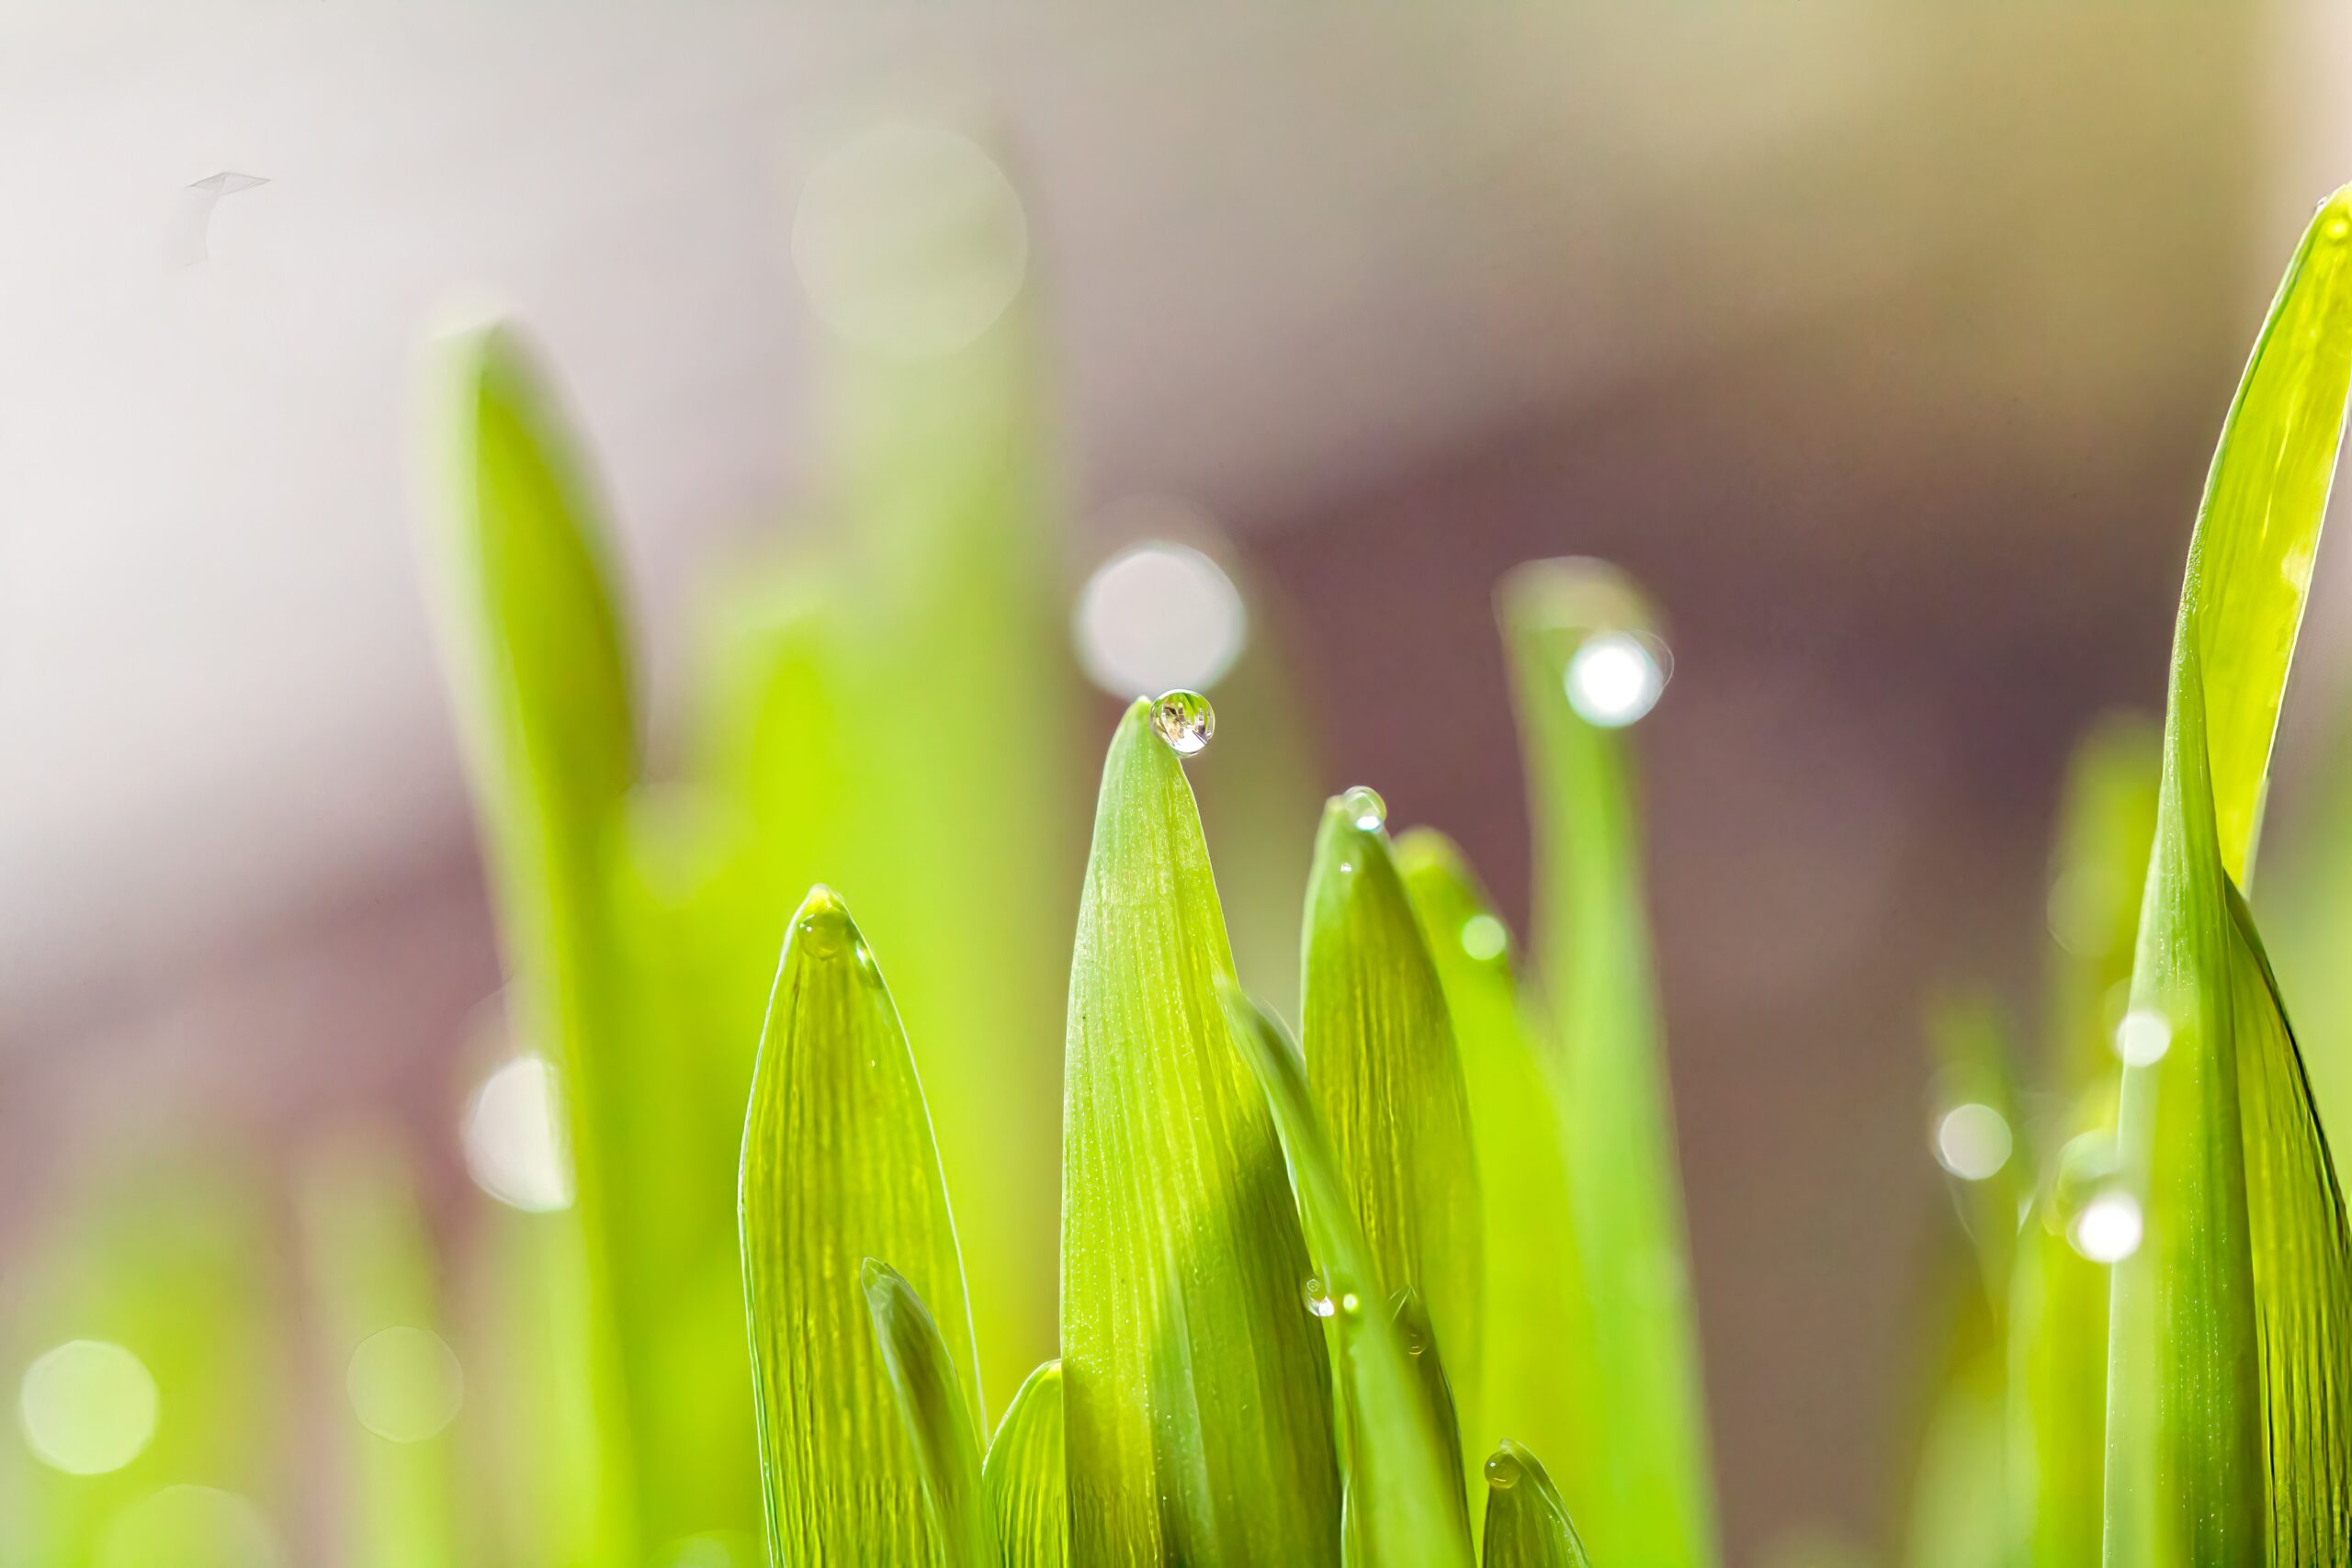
(839, 1167)
(938, 1423)
(1527, 1524)
(1027, 1475)
(1196, 1398)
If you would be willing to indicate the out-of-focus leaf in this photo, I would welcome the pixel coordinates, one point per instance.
(2230, 1432)
(1404, 1491)
(1530, 1305)
(538, 669)
(1026, 1475)
(1196, 1400)
(1647, 1496)
(838, 1165)
(372, 1273)
(1380, 1057)
(938, 1423)
(172, 1263)
(1527, 1524)
(2058, 1298)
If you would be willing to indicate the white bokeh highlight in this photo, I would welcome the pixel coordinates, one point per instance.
(1158, 617)
(1613, 680)
(1972, 1141)
(513, 1137)
(87, 1407)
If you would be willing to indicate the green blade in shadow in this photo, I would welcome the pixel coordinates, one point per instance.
(1530, 1300)
(1027, 1475)
(1405, 1502)
(1646, 1496)
(838, 1166)
(1196, 1400)
(2230, 1415)
(1527, 1524)
(938, 1422)
(1381, 1059)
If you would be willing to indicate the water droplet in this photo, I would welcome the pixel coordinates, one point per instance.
(513, 1139)
(1484, 938)
(1972, 1141)
(1614, 679)
(823, 928)
(2142, 1037)
(1366, 808)
(1184, 720)
(1318, 1300)
(1502, 1470)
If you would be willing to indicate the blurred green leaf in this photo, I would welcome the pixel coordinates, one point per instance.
(1403, 1492)
(372, 1273)
(538, 664)
(1530, 1305)
(1380, 1057)
(2230, 1436)
(1647, 1496)
(938, 1423)
(1527, 1524)
(1197, 1402)
(1027, 1475)
(838, 1165)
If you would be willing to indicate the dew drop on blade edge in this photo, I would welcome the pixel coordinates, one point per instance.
(1184, 720)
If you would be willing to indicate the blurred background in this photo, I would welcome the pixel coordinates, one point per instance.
(1885, 344)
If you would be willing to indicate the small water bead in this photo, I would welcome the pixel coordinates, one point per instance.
(1184, 720)
(1366, 808)
(1502, 1472)
(1614, 679)
(1318, 1300)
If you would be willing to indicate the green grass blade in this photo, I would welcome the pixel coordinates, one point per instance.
(1404, 1495)
(537, 665)
(1646, 1497)
(1196, 1398)
(938, 1422)
(1530, 1305)
(372, 1271)
(1527, 1524)
(1027, 1475)
(1381, 1059)
(838, 1165)
(2230, 1428)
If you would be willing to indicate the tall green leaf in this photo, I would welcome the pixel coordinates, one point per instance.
(1196, 1400)
(2230, 1424)
(1527, 1524)
(938, 1423)
(538, 666)
(1381, 1057)
(838, 1165)
(1404, 1494)
(1530, 1305)
(1645, 1494)
(1027, 1475)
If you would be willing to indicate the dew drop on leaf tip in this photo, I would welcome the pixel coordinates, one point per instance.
(1365, 808)
(1184, 720)
(1502, 1470)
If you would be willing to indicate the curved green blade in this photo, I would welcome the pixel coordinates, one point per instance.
(1404, 1493)
(1197, 1400)
(1527, 1524)
(1026, 1475)
(1530, 1306)
(838, 1165)
(938, 1423)
(533, 642)
(1644, 1494)
(2230, 1415)
(1381, 1060)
